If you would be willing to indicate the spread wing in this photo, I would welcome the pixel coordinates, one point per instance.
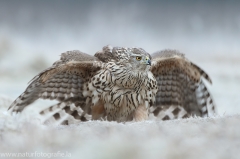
(181, 90)
(63, 81)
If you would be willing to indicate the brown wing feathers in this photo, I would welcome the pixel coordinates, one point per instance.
(63, 81)
(174, 63)
(181, 91)
(179, 85)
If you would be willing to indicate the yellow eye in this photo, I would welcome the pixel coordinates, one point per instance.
(138, 58)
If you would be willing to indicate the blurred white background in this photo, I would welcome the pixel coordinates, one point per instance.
(34, 33)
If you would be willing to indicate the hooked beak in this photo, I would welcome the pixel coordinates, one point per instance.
(148, 61)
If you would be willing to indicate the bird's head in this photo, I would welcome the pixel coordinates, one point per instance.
(139, 59)
(134, 58)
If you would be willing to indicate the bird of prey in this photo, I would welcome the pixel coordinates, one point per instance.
(120, 84)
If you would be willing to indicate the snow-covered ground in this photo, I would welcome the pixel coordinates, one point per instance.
(34, 34)
(208, 138)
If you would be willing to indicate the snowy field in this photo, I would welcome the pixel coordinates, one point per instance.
(34, 34)
(208, 138)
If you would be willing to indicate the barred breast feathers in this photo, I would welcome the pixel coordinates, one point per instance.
(122, 90)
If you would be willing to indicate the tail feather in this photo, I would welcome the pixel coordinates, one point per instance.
(64, 113)
(168, 112)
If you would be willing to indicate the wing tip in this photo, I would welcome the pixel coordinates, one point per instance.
(202, 73)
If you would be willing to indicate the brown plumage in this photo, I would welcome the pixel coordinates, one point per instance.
(120, 84)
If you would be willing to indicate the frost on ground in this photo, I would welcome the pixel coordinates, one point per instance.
(208, 138)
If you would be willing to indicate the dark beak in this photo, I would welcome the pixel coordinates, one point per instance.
(149, 62)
